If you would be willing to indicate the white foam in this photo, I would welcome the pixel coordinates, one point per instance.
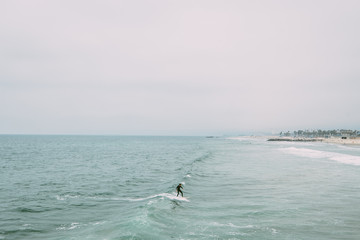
(65, 197)
(339, 157)
(231, 225)
(174, 197)
(161, 195)
(72, 226)
(78, 225)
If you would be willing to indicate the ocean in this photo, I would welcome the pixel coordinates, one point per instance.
(117, 187)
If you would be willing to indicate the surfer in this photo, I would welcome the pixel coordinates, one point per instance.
(179, 190)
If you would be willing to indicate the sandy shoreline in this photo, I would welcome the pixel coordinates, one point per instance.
(334, 140)
(355, 141)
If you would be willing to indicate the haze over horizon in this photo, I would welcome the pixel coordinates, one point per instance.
(178, 67)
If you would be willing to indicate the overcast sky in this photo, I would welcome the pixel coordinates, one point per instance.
(178, 67)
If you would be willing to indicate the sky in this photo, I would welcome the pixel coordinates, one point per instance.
(202, 67)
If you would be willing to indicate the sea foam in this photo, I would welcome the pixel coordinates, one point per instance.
(161, 195)
(310, 153)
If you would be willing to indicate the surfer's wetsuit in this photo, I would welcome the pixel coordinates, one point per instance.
(179, 190)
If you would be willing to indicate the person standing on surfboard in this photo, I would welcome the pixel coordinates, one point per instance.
(179, 190)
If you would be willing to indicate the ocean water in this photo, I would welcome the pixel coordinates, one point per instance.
(111, 187)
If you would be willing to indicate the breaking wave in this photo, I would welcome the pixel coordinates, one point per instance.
(310, 153)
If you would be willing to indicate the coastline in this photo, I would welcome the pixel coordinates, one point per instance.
(334, 140)
(350, 141)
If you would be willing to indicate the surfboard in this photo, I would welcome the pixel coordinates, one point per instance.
(178, 198)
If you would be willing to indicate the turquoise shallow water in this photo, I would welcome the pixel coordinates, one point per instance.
(108, 187)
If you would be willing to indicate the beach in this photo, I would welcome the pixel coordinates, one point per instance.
(333, 140)
(351, 141)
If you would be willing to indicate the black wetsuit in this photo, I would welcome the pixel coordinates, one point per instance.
(179, 191)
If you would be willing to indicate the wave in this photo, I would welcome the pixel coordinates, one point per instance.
(25, 231)
(37, 209)
(75, 225)
(230, 225)
(161, 196)
(202, 158)
(28, 210)
(246, 227)
(339, 157)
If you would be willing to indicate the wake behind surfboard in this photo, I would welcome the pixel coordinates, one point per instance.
(161, 196)
(177, 198)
